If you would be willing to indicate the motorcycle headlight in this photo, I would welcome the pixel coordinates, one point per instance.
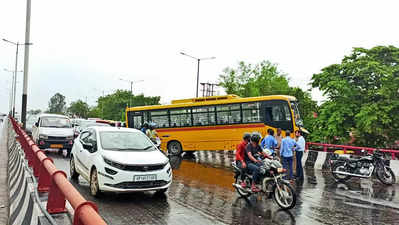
(43, 136)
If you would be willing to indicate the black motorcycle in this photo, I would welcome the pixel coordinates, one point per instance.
(345, 168)
(273, 184)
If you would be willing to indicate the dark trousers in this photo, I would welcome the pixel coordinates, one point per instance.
(299, 168)
(287, 164)
(253, 168)
(243, 170)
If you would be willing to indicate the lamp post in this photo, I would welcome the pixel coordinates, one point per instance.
(12, 93)
(131, 86)
(198, 66)
(16, 69)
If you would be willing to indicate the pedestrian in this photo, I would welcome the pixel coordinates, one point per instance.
(269, 142)
(300, 149)
(279, 138)
(288, 146)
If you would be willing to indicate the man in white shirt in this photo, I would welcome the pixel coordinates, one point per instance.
(299, 153)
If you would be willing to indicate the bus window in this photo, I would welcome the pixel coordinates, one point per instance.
(250, 112)
(160, 117)
(137, 121)
(228, 114)
(204, 116)
(180, 118)
(278, 114)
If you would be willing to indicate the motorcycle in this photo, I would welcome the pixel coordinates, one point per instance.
(345, 168)
(273, 184)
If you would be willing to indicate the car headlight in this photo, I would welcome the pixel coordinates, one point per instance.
(69, 137)
(114, 164)
(42, 136)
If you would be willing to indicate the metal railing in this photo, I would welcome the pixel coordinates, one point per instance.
(55, 182)
(346, 148)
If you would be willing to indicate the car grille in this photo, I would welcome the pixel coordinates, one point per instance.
(140, 184)
(144, 168)
(56, 138)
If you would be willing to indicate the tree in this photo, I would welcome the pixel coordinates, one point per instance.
(363, 97)
(113, 106)
(79, 108)
(57, 104)
(264, 78)
(34, 111)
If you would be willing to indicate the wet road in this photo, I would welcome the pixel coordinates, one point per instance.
(201, 193)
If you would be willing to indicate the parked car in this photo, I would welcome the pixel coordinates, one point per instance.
(53, 131)
(88, 123)
(119, 160)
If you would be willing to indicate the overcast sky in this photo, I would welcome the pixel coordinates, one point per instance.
(82, 48)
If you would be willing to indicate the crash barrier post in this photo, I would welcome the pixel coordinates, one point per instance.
(55, 181)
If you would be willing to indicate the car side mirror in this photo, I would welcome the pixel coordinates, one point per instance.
(88, 146)
(37, 124)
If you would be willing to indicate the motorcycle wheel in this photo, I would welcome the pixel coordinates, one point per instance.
(387, 177)
(241, 192)
(285, 197)
(339, 166)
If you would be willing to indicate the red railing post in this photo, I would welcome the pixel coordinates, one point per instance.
(56, 199)
(44, 177)
(78, 210)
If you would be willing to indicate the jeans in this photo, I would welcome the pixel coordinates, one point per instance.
(243, 170)
(254, 169)
(287, 164)
(299, 168)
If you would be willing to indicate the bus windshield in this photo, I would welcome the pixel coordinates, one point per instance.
(297, 116)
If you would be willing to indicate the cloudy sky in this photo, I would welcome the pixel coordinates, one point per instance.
(82, 48)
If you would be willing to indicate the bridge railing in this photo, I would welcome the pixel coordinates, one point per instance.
(55, 182)
(347, 148)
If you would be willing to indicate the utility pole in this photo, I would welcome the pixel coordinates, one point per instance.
(198, 67)
(26, 64)
(131, 87)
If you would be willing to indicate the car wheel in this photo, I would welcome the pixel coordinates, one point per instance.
(174, 148)
(94, 188)
(73, 173)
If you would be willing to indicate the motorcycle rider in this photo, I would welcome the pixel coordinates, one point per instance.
(144, 128)
(240, 154)
(253, 152)
(151, 133)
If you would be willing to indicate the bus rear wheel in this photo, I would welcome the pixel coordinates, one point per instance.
(174, 148)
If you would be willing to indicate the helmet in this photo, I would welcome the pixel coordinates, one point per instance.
(145, 124)
(246, 136)
(153, 125)
(255, 137)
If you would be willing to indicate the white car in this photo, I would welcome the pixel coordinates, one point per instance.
(119, 160)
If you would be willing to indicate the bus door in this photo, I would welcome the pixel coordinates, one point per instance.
(277, 114)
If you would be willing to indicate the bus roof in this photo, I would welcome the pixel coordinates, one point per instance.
(212, 100)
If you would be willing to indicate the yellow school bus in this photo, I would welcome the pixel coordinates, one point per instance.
(216, 122)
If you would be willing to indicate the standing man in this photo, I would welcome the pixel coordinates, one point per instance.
(286, 151)
(279, 138)
(299, 153)
(269, 142)
(240, 154)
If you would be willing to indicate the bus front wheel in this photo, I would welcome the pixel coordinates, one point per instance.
(174, 148)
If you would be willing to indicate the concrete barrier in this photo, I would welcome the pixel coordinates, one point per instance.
(24, 209)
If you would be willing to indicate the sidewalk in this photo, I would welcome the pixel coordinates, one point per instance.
(3, 174)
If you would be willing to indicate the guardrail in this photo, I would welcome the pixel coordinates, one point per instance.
(55, 182)
(346, 148)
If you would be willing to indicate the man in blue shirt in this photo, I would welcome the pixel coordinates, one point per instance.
(298, 154)
(269, 142)
(288, 146)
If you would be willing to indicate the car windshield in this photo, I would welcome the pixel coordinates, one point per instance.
(297, 116)
(125, 141)
(57, 122)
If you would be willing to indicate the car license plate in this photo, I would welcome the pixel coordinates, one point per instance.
(56, 146)
(139, 178)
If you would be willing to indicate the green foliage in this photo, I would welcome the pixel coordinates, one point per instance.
(79, 108)
(264, 78)
(57, 104)
(363, 95)
(34, 111)
(113, 106)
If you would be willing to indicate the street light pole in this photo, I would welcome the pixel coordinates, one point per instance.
(198, 66)
(131, 86)
(12, 90)
(26, 64)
